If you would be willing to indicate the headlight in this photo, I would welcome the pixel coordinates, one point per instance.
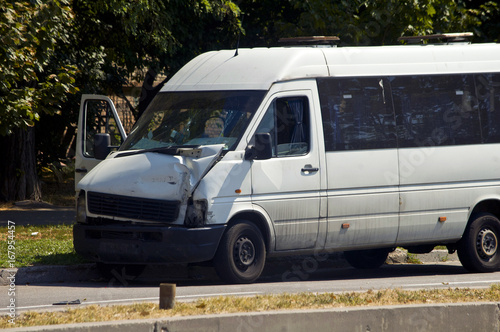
(81, 209)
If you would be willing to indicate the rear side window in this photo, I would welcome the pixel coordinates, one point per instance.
(357, 113)
(488, 96)
(434, 110)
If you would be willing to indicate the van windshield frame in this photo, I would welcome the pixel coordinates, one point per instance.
(194, 118)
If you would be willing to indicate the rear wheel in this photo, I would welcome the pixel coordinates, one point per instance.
(366, 259)
(478, 250)
(241, 255)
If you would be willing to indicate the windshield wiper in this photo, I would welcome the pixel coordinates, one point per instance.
(184, 150)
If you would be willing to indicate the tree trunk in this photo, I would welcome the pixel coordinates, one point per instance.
(149, 90)
(18, 175)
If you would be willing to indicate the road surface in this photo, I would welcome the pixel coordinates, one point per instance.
(298, 277)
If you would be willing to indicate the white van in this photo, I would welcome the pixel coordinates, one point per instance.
(273, 151)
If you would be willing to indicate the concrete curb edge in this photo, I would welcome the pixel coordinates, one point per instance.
(427, 317)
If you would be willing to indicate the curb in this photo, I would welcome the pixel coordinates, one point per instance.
(38, 216)
(49, 274)
(436, 317)
(86, 272)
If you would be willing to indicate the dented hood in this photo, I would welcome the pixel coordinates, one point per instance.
(152, 174)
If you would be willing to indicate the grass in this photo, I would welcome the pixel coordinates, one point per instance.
(40, 245)
(219, 305)
(50, 244)
(413, 259)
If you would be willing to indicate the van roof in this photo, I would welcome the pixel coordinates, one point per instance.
(259, 68)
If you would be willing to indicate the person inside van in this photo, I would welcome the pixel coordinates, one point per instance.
(214, 127)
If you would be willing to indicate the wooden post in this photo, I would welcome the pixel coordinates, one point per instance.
(167, 296)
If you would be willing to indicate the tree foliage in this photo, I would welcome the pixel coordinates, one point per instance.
(31, 83)
(370, 22)
(51, 51)
(115, 42)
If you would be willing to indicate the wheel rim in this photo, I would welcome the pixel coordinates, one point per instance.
(487, 243)
(244, 252)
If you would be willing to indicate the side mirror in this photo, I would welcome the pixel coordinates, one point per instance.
(263, 148)
(102, 146)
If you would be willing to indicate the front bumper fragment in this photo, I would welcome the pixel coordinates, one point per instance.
(135, 244)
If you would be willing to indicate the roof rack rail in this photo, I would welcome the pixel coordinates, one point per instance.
(311, 41)
(446, 38)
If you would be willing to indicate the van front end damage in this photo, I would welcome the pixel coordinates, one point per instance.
(143, 211)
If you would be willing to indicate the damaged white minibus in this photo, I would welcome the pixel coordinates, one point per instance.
(299, 150)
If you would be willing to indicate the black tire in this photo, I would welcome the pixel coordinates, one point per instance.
(120, 272)
(241, 255)
(366, 259)
(478, 249)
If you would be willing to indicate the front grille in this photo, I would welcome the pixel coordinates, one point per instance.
(133, 207)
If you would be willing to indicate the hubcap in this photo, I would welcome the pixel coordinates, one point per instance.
(487, 243)
(244, 252)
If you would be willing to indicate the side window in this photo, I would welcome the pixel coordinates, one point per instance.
(357, 113)
(99, 120)
(287, 121)
(436, 110)
(488, 95)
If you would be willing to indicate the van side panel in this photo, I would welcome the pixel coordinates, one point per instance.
(447, 128)
(444, 182)
(362, 195)
(362, 162)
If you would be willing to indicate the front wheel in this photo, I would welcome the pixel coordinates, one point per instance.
(478, 249)
(241, 255)
(366, 259)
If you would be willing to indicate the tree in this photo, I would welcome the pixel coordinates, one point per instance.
(376, 22)
(31, 83)
(114, 41)
(151, 37)
(366, 22)
(53, 48)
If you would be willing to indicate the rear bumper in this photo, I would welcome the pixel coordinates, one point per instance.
(133, 244)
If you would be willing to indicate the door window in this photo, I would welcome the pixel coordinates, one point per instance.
(99, 120)
(287, 121)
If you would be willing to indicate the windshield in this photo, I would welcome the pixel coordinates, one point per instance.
(194, 118)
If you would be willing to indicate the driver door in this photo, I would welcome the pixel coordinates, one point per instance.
(97, 116)
(287, 186)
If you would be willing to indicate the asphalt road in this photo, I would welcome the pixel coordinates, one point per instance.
(292, 280)
(38, 216)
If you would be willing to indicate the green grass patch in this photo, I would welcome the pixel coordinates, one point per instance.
(413, 259)
(39, 245)
(221, 305)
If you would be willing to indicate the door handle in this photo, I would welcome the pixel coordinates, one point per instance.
(80, 170)
(309, 169)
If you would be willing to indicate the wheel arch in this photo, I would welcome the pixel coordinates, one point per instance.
(259, 220)
(490, 205)
(484, 205)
